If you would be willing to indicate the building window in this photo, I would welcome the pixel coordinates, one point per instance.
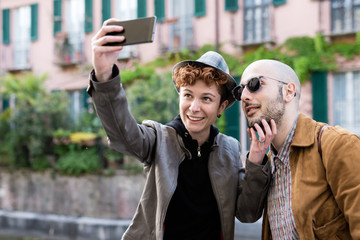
(126, 10)
(181, 32)
(21, 33)
(75, 28)
(256, 21)
(346, 100)
(345, 16)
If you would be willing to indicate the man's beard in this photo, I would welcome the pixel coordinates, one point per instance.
(274, 110)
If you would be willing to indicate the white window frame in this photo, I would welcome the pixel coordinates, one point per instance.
(182, 31)
(126, 10)
(346, 100)
(345, 16)
(75, 20)
(21, 30)
(256, 21)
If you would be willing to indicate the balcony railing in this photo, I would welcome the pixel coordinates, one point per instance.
(68, 52)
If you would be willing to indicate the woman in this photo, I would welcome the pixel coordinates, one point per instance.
(196, 184)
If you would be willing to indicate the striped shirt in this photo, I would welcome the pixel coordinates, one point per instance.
(281, 218)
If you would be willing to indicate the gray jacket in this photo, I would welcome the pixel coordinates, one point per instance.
(238, 191)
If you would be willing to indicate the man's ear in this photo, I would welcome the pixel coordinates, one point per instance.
(290, 92)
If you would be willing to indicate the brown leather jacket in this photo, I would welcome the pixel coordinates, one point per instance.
(325, 193)
(239, 192)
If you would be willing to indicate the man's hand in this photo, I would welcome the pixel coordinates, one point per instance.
(104, 57)
(259, 147)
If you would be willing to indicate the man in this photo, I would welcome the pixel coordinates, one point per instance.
(196, 184)
(310, 197)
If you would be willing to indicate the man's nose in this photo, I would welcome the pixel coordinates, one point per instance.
(246, 94)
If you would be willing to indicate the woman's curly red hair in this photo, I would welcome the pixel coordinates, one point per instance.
(190, 73)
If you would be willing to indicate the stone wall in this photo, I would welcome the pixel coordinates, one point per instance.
(114, 197)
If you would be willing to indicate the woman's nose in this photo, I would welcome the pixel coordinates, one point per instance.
(195, 106)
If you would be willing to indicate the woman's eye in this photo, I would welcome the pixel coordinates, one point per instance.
(207, 99)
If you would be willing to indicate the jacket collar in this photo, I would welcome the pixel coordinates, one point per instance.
(191, 146)
(305, 132)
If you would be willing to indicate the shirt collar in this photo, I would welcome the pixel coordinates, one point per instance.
(283, 155)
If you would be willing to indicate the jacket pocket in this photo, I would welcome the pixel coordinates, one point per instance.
(336, 229)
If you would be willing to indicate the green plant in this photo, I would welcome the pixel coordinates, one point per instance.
(79, 161)
(154, 98)
(32, 121)
(113, 155)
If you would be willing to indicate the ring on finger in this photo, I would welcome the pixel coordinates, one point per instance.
(261, 141)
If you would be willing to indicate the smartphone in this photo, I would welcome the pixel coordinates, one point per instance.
(136, 31)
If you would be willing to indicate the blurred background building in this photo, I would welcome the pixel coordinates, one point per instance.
(54, 37)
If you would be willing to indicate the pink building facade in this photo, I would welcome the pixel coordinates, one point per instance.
(54, 37)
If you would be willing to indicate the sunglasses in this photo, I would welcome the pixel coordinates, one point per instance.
(253, 85)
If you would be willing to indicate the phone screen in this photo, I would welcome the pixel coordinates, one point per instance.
(136, 31)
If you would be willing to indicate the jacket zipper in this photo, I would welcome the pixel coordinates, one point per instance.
(217, 198)
(199, 151)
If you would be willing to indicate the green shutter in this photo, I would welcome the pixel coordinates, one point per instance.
(232, 118)
(231, 5)
(34, 22)
(141, 8)
(88, 16)
(319, 96)
(57, 16)
(160, 10)
(278, 2)
(6, 25)
(106, 9)
(200, 8)
(85, 97)
(5, 103)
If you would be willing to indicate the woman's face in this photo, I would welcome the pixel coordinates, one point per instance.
(199, 107)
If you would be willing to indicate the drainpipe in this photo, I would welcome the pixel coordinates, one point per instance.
(217, 25)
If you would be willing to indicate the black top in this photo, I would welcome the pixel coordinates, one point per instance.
(193, 212)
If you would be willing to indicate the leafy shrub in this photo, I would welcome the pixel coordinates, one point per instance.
(79, 161)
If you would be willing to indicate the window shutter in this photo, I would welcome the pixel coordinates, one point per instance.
(231, 5)
(106, 9)
(160, 10)
(57, 16)
(6, 25)
(278, 2)
(200, 8)
(141, 8)
(232, 118)
(319, 95)
(5, 103)
(85, 96)
(34, 22)
(88, 16)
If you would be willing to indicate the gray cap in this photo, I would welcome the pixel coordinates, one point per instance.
(215, 60)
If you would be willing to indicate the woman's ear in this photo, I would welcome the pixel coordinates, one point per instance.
(290, 92)
(222, 107)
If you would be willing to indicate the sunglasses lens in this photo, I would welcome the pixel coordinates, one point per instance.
(253, 84)
(237, 92)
